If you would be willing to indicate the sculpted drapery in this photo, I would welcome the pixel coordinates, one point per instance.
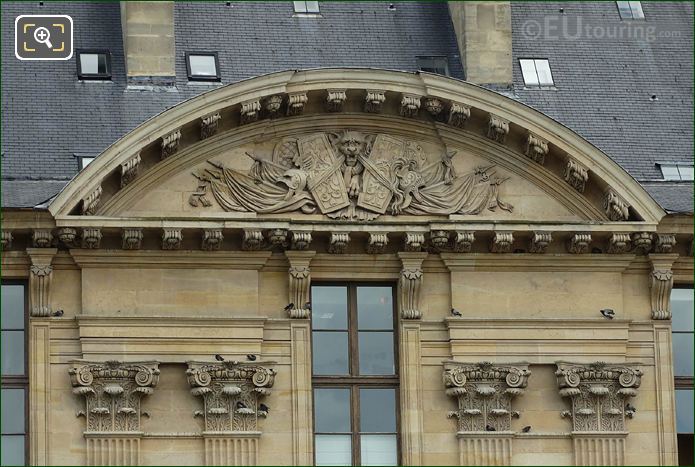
(351, 176)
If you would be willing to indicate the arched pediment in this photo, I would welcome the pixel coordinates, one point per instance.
(354, 146)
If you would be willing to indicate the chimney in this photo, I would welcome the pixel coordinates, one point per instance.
(484, 36)
(148, 42)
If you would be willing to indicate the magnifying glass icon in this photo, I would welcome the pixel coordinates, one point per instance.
(43, 36)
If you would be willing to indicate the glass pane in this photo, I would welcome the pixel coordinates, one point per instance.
(636, 8)
(12, 311)
(687, 173)
(376, 353)
(12, 352)
(670, 172)
(545, 78)
(13, 411)
(312, 7)
(528, 69)
(624, 9)
(377, 410)
(684, 410)
(85, 161)
(333, 449)
(89, 63)
(379, 450)
(682, 302)
(329, 307)
(374, 308)
(203, 65)
(13, 450)
(330, 353)
(299, 7)
(102, 63)
(683, 354)
(332, 410)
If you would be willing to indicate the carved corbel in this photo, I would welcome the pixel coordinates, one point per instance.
(278, 238)
(90, 203)
(540, 242)
(338, 242)
(132, 238)
(410, 284)
(296, 102)
(615, 206)
(642, 242)
(536, 148)
(91, 238)
(579, 243)
(6, 241)
(374, 101)
(300, 240)
(484, 393)
(661, 284)
(171, 239)
(576, 175)
(439, 239)
(463, 242)
(212, 239)
(272, 104)
(414, 241)
(209, 125)
(252, 240)
(129, 170)
(41, 238)
(598, 393)
(40, 278)
(377, 243)
(299, 283)
(170, 143)
(664, 243)
(434, 106)
(459, 114)
(410, 105)
(502, 242)
(335, 99)
(67, 236)
(619, 243)
(497, 128)
(250, 111)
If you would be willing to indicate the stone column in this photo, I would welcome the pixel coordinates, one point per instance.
(661, 284)
(40, 278)
(299, 282)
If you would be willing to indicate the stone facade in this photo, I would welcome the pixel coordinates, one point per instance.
(197, 254)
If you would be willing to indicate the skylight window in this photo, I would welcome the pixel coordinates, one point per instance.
(203, 66)
(677, 172)
(630, 10)
(536, 72)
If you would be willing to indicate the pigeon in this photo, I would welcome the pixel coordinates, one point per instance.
(290, 306)
(489, 428)
(526, 429)
(219, 358)
(58, 313)
(630, 408)
(455, 312)
(307, 306)
(251, 357)
(516, 414)
(241, 405)
(264, 408)
(608, 313)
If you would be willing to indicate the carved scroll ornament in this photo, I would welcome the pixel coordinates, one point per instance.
(484, 393)
(350, 176)
(231, 393)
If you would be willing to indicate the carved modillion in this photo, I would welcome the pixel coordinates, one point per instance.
(664, 243)
(410, 284)
(90, 203)
(661, 284)
(296, 102)
(41, 238)
(132, 238)
(502, 242)
(129, 169)
(40, 278)
(338, 242)
(250, 111)
(278, 238)
(6, 241)
(300, 240)
(458, 114)
(615, 207)
(463, 241)
(335, 99)
(497, 128)
(252, 240)
(170, 143)
(576, 174)
(376, 243)
(619, 243)
(272, 104)
(299, 283)
(579, 243)
(439, 239)
(67, 236)
(374, 100)
(536, 148)
(410, 105)
(209, 125)
(434, 106)
(642, 242)
(91, 238)
(540, 242)
(212, 239)
(172, 239)
(414, 241)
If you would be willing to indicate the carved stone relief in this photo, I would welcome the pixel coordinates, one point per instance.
(642, 242)
(598, 393)
(576, 175)
(484, 393)
(91, 238)
(132, 238)
(579, 243)
(410, 284)
(231, 393)
(536, 148)
(91, 202)
(615, 206)
(338, 242)
(350, 176)
(335, 99)
(434, 106)
(373, 101)
(113, 392)
(272, 105)
(209, 125)
(67, 236)
(129, 170)
(212, 239)
(458, 114)
(170, 143)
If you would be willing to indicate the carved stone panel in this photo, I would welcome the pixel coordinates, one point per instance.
(231, 393)
(576, 175)
(458, 114)
(129, 170)
(579, 243)
(661, 284)
(484, 393)
(410, 284)
(338, 242)
(373, 101)
(170, 143)
(598, 393)
(209, 125)
(91, 202)
(615, 207)
(112, 392)
(40, 279)
(132, 238)
(497, 128)
(536, 148)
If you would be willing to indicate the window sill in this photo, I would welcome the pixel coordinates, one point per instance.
(540, 88)
(307, 15)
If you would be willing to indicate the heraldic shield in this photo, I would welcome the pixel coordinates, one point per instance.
(377, 188)
(317, 158)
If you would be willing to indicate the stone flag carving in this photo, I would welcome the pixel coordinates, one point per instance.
(350, 176)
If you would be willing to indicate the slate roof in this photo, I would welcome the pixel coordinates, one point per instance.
(602, 87)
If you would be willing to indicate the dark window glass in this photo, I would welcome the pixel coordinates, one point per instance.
(376, 353)
(330, 353)
(329, 308)
(374, 308)
(377, 410)
(332, 410)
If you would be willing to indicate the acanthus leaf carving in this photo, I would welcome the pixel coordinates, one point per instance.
(250, 111)
(484, 393)
(576, 175)
(209, 124)
(231, 393)
(410, 284)
(536, 148)
(615, 207)
(376, 244)
(42, 238)
(252, 240)
(497, 128)
(296, 102)
(91, 238)
(540, 242)
(212, 239)
(374, 100)
(132, 238)
(172, 238)
(579, 243)
(502, 242)
(335, 99)
(338, 242)
(414, 241)
(410, 105)
(351, 176)
(664, 243)
(113, 391)
(619, 243)
(129, 170)
(463, 242)
(598, 394)
(170, 143)
(91, 202)
(458, 114)
(299, 275)
(40, 279)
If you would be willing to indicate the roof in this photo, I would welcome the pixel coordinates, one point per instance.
(603, 87)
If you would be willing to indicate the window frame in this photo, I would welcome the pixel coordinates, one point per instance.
(631, 6)
(433, 58)
(678, 168)
(94, 76)
(21, 381)
(211, 78)
(306, 11)
(535, 69)
(354, 381)
(682, 382)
